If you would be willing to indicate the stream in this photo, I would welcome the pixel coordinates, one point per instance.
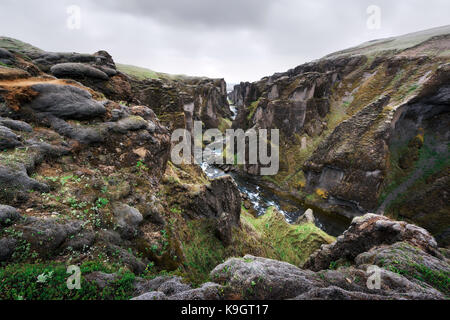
(262, 198)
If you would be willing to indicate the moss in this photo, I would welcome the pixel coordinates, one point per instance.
(439, 280)
(252, 109)
(224, 124)
(289, 243)
(269, 236)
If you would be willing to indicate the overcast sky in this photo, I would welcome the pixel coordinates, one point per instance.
(239, 40)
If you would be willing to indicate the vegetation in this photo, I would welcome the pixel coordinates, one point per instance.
(49, 282)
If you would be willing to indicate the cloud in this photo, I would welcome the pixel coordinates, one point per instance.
(240, 40)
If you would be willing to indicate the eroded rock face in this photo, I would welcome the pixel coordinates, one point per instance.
(199, 99)
(367, 232)
(221, 202)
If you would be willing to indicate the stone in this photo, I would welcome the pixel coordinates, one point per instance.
(48, 236)
(77, 70)
(367, 232)
(307, 217)
(173, 286)
(7, 247)
(15, 125)
(8, 139)
(155, 295)
(135, 264)
(65, 102)
(128, 220)
(18, 180)
(263, 279)
(8, 215)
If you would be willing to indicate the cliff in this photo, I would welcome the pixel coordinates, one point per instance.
(364, 129)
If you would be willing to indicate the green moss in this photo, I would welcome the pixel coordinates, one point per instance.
(144, 73)
(252, 109)
(439, 280)
(269, 236)
(224, 124)
(202, 250)
(289, 243)
(423, 156)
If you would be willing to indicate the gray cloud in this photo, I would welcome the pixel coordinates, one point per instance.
(236, 39)
(211, 14)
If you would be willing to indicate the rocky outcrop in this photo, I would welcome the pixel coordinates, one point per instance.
(221, 202)
(265, 279)
(56, 133)
(367, 232)
(185, 101)
(375, 259)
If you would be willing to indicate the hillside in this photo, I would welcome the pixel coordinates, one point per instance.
(363, 129)
(86, 180)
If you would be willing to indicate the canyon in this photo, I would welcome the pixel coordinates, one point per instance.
(86, 178)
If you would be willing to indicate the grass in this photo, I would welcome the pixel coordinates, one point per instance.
(49, 282)
(269, 236)
(16, 45)
(290, 243)
(439, 280)
(144, 73)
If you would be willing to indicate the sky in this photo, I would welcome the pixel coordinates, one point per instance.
(239, 40)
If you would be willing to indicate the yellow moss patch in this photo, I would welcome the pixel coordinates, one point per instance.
(322, 193)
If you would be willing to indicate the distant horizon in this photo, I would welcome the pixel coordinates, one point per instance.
(237, 40)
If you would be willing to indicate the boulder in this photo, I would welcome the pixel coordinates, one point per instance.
(5, 54)
(149, 296)
(8, 139)
(128, 219)
(77, 70)
(124, 256)
(15, 125)
(17, 179)
(8, 215)
(65, 102)
(7, 247)
(49, 236)
(367, 232)
(264, 279)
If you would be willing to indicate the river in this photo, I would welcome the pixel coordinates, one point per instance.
(262, 198)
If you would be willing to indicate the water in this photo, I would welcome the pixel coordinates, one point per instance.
(262, 198)
(235, 111)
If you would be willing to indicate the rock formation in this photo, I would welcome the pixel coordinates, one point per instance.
(363, 130)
